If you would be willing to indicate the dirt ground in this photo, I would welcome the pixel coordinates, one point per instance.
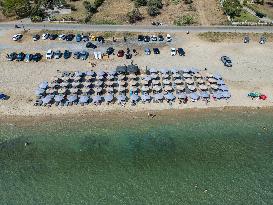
(251, 71)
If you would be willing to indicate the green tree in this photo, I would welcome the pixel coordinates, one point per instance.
(134, 16)
(232, 8)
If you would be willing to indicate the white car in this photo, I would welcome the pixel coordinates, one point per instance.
(169, 38)
(154, 38)
(173, 51)
(17, 37)
(45, 36)
(61, 36)
(49, 54)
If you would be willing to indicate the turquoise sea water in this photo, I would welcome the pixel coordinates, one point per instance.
(215, 157)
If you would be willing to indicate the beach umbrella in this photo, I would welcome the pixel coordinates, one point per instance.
(178, 81)
(146, 97)
(50, 90)
(64, 84)
(89, 78)
(121, 89)
(191, 87)
(217, 76)
(164, 71)
(134, 97)
(97, 89)
(97, 99)
(165, 76)
(109, 98)
(214, 87)
(77, 78)
(86, 89)
(197, 75)
(203, 87)
(52, 85)
(145, 88)
(112, 72)
(155, 82)
(157, 88)
(189, 81)
(194, 70)
(217, 95)
(154, 76)
(166, 82)
(144, 82)
(98, 83)
(122, 83)
(43, 85)
(65, 78)
(194, 96)
(78, 74)
(83, 99)
(62, 90)
(101, 73)
(220, 82)
(110, 89)
(187, 75)
(180, 87)
(39, 91)
(74, 90)
(47, 99)
(168, 88)
(186, 70)
(109, 83)
(121, 98)
(209, 75)
(174, 70)
(158, 96)
(212, 80)
(169, 96)
(75, 84)
(89, 73)
(176, 75)
(200, 81)
(226, 94)
(110, 77)
(121, 77)
(133, 82)
(58, 98)
(86, 83)
(153, 70)
(134, 89)
(147, 78)
(223, 88)
(132, 76)
(181, 96)
(254, 94)
(204, 94)
(100, 77)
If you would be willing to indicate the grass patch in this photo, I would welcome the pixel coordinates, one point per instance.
(106, 21)
(246, 17)
(267, 8)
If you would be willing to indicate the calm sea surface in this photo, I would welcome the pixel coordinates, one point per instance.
(215, 157)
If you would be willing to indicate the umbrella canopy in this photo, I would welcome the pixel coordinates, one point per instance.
(194, 70)
(180, 87)
(50, 90)
(191, 87)
(145, 88)
(200, 81)
(64, 84)
(181, 96)
(186, 70)
(168, 88)
(166, 82)
(72, 98)
(153, 70)
(223, 88)
(158, 96)
(133, 82)
(176, 75)
(43, 85)
(154, 76)
(86, 83)
(147, 78)
(121, 98)
(58, 98)
(47, 99)
(110, 89)
(165, 75)
(187, 75)
(157, 88)
(217, 76)
(121, 77)
(164, 71)
(214, 87)
(101, 73)
(134, 89)
(121, 88)
(197, 75)
(88, 78)
(83, 99)
(209, 75)
(90, 73)
(101, 77)
(121, 83)
(75, 84)
(132, 76)
(155, 82)
(226, 94)
(39, 91)
(52, 84)
(217, 95)
(254, 94)
(178, 81)
(212, 80)
(77, 78)
(146, 97)
(97, 89)
(112, 72)
(98, 83)
(96, 99)
(174, 70)
(62, 90)
(169, 96)
(194, 96)
(203, 87)
(189, 81)
(204, 94)
(220, 82)
(144, 82)
(109, 83)
(110, 77)
(74, 90)
(78, 74)
(134, 97)
(65, 78)
(86, 90)
(109, 98)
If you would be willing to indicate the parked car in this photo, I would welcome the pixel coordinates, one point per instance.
(160, 38)
(181, 51)
(53, 36)
(78, 38)
(173, 51)
(28, 57)
(84, 55)
(36, 37)
(146, 38)
(12, 56)
(85, 38)
(37, 57)
(67, 54)
(169, 38)
(156, 51)
(69, 37)
(62, 37)
(76, 55)
(57, 54)
(246, 39)
(49, 54)
(91, 45)
(128, 55)
(262, 40)
(260, 14)
(120, 53)
(20, 56)
(45, 36)
(110, 51)
(227, 61)
(154, 38)
(147, 51)
(17, 37)
(100, 39)
(3, 96)
(140, 38)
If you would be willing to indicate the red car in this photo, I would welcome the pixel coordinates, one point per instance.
(120, 53)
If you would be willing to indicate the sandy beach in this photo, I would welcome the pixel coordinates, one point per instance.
(251, 71)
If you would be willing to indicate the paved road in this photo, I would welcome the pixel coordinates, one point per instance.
(138, 28)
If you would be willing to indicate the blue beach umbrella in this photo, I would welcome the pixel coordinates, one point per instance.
(194, 96)
(181, 96)
(169, 96)
(78, 74)
(146, 97)
(158, 96)
(108, 98)
(194, 70)
(164, 70)
(217, 95)
(2, 96)
(112, 72)
(39, 91)
(204, 94)
(100, 73)
(89, 73)
(217, 76)
(134, 97)
(153, 70)
(84, 99)
(96, 99)
(223, 88)
(58, 98)
(220, 82)
(43, 85)
(174, 70)
(186, 70)
(121, 98)
(226, 95)
(72, 98)
(47, 99)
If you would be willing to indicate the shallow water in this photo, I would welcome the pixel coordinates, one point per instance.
(214, 157)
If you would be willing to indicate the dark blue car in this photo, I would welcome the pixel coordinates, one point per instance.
(20, 56)
(78, 38)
